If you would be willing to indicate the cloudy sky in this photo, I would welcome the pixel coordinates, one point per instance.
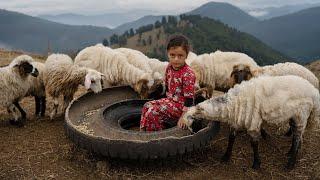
(90, 7)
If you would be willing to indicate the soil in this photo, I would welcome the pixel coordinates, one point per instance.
(40, 150)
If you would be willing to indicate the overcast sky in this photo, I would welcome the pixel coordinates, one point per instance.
(89, 7)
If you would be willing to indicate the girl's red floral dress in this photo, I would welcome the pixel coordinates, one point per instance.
(180, 86)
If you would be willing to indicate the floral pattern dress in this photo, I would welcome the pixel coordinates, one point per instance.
(180, 85)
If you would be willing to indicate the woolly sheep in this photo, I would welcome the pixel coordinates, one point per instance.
(62, 77)
(37, 89)
(116, 69)
(271, 100)
(14, 86)
(213, 70)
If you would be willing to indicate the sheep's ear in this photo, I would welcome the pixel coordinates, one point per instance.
(87, 82)
(248, 73)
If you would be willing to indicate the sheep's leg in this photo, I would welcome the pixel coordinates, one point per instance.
(67, 100)
(22, 121)
(232, 136)
(55, 108)
(12, 110)
(296, 142)
(43, 106)
(264, 134)
(289, 132)
(256, 159)
(37, 104)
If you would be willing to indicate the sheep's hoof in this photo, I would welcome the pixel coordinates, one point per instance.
(256, 166)
(13, 122)
(225, 158)
(18, 123)
(289, 166)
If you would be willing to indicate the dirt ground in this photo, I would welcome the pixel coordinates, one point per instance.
(40, 150)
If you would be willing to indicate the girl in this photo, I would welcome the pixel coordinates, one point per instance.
(179, 81)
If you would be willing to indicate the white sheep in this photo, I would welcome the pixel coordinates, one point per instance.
(62, 77)
(213, 70)
(37, 89)
(14, 85)
(288, 68)
(116, 68)
(274, 100)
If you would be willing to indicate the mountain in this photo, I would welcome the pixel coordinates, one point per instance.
(206, 35)
(137, 23)
(271, 12)
(296, 35)
(225, 13)
(32, 34)
(110, 20)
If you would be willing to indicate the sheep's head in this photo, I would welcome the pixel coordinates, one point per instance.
(209, 110)
(23, 66)
(192, 119)
(144, 85)
(240, 73)
(141, 87)
(93, 80)
(157, 90)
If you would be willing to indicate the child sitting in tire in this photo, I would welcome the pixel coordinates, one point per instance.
(179, 81)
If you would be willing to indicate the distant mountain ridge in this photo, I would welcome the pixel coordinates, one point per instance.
(33, 34)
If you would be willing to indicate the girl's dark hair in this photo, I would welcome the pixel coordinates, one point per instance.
(179, 40)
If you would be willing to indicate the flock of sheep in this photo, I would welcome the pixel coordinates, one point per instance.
(276, 94)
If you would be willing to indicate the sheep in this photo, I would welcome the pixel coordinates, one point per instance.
(279, 69)
(213, 70)
(14, 86)
(116, 69)
(272, 100)
(288, 68)
(37, 89)
(62, 77)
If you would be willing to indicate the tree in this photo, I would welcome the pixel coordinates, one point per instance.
(105, 42)
(131, 33)
(114, 39)
(163, 20)
(157, 24)
(149, 40)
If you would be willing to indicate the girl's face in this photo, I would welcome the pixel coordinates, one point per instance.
(177, 57)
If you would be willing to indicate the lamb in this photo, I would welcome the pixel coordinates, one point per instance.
(62, 77)
(213, 70)
(272, 100)
(37, 89)
(14, 86)
(116, 69)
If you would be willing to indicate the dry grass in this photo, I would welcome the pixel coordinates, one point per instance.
(40, 150)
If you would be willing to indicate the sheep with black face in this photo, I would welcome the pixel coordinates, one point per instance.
(14, 86)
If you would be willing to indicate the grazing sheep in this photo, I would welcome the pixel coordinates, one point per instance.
(37, 89)
(117, 70)
(62, 77)
(272, 100)
(14, 85)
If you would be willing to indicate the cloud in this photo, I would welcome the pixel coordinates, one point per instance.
(36, 7)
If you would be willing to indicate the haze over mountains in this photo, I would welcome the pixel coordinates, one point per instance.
(295, 35)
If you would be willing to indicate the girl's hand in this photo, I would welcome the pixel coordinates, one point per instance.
(181, 123)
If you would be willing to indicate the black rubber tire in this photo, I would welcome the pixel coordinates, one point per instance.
(112, 140)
